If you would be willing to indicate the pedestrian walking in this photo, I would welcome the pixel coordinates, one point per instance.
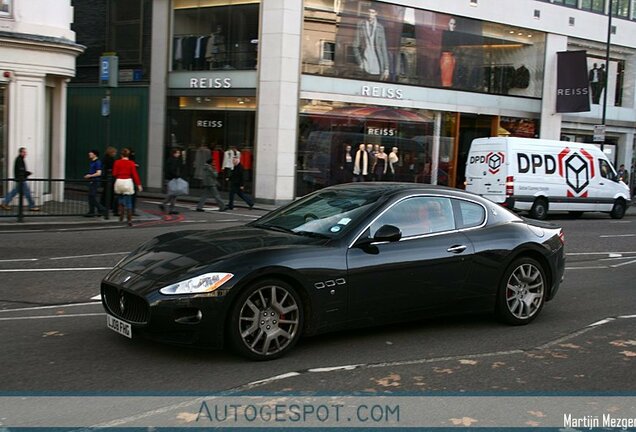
(237, 185)
(174, 170)
(210, 186)
(126, 177)
(108, 195)
(132, 157)
(21, 186)
(93, 176)
(623, 174)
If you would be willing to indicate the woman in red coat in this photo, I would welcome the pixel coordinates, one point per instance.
(125, 173)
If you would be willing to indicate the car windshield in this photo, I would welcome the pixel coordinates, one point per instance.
(325, 214)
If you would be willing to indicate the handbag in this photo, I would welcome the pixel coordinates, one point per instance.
(124, 187)
(178, 186)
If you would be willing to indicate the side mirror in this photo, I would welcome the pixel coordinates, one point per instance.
(387, 233)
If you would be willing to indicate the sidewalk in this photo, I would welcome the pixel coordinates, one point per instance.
(147, 209)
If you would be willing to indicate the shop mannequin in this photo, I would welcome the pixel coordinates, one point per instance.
(361, 164)
(347, 165)
(393, 162)
(380, 167)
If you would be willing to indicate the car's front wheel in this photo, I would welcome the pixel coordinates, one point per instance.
(266, 320)
(523, 292)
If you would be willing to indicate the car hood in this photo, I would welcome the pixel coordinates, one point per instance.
(170, 255)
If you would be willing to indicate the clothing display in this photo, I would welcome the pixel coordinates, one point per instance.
(361, 164)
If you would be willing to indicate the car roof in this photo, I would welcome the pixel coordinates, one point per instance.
(390, 188)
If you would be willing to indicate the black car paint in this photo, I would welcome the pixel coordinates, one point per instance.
(372, 291)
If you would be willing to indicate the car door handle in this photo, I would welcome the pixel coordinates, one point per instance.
(456, 249)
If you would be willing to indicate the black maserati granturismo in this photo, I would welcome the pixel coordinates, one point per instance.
(345, 256)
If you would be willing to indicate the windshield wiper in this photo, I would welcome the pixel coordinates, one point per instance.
(312, 234)
(276, 228)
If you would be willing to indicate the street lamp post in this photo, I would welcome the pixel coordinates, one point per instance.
(607, 58)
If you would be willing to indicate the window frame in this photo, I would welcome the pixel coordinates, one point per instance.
(323, 51)
(9, 12)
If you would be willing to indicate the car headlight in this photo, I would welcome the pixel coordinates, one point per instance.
(201, 284)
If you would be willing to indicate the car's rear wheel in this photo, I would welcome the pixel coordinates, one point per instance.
(266, 320)
(522, 293)
(539, 209)
(618, 210)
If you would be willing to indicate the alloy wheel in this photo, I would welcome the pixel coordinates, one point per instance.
(525, 291)
(269, 320)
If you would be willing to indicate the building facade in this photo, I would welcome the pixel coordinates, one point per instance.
(297, 87)
(37, 58)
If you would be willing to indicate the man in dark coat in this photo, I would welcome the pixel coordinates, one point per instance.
(237, 186)
(21, 186)
(210, 184)
(174, 170)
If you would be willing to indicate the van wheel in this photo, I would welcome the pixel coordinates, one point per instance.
(539, 209)
(618, 211)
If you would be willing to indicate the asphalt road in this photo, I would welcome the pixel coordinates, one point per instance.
(54, 337)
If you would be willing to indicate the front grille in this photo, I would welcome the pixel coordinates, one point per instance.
(135, 309)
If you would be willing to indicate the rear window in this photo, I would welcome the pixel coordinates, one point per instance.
(470, 214)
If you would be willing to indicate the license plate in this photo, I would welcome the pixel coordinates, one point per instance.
(119, 326)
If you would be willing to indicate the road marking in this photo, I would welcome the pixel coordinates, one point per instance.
(599, 253)
(274, 378)
(16, 260)
(50, 307)
(617, 235)
(54, 269)
(51, 316)
(89, 256)
(97, 297)
(601, 322)
(335, 368)
(615, 255)
(622, 264)
(586, 268)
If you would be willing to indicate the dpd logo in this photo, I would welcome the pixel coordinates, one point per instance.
(577, 168)
(494, 161)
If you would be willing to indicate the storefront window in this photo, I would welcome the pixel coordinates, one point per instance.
(518, 127)
(378, 41)
(212, 128)
(593, 5)
(215, 34)
(5, 8)
(341, 143)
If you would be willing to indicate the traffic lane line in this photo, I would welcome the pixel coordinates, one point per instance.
(51, 316)
(54, 269)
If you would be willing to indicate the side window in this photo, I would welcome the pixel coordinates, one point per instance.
(471, 214)
(606, 169)
(418, 216)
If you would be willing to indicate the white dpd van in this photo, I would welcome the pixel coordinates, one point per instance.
(540, 175)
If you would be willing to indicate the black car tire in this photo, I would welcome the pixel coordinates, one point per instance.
(523, 279)
(261, 329)
(539, 209)
(618, 210)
